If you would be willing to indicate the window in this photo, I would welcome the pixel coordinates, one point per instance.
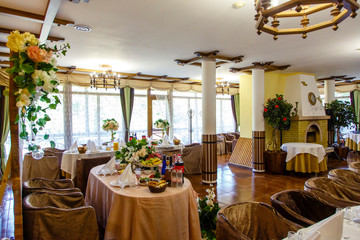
(139, 115)
(224, 115)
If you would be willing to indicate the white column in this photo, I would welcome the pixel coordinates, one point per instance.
(258, 93)
(329, 91)
(258, 122)
(209, 96)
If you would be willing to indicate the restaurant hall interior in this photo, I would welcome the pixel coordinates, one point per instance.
(217, 72)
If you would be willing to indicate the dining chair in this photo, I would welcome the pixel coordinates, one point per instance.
(333, 192)
(252, 220)
(54, 186)
(56, 151)
(192, 158)
(83, 167)
(345, 177)
(302, 207)
(46, 167)
(58, 216)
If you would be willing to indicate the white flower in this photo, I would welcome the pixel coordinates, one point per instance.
(209, 203)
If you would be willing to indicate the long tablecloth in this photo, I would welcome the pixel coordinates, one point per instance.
(136, 213)
(306, 163)
(352, 145)
(68, 163)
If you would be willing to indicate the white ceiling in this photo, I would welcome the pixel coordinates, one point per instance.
(147, 35)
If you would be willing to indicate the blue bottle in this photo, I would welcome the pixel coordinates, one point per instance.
(163, 165)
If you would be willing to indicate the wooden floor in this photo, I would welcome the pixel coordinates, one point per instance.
(235, 184)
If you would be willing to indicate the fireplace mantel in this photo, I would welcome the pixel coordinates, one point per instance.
(309, 118)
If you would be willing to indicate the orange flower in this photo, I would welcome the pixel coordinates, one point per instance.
(38, 55)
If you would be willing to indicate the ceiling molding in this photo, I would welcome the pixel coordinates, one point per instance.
(32, 16)
(267, 66)
(339, 80)
(50, 38)
(219, 59)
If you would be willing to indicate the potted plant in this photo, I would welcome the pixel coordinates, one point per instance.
(342, 115)
(277, 113)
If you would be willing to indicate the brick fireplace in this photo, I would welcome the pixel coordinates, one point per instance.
(307, 129)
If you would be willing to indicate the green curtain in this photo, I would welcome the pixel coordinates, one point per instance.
(357, 106)
(237, 110)
(127, 104)
(4, 126)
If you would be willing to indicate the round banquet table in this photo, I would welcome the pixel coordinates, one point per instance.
(352, 141)
(68, 161)
(304, 157)
(136, 213)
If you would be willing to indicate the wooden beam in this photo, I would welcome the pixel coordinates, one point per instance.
(4, 54)
(51, 11)
(50, 38)
(32, 16)
(2, 44)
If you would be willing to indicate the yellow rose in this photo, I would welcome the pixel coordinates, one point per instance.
(16, 41)
(31, 39)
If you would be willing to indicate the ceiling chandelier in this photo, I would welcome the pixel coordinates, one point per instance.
(223, 87)
(339, 11)
(105, 79)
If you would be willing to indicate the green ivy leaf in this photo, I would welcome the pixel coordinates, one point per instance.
(46, 136)
(27, 67)
(52, 144)
(23, 135)
(41, 122)
(47, 118)
(17, 119)
(52, 106)
(35, 131)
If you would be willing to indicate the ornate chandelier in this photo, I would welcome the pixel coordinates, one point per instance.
(223, 87)
(339, 11)
(105, 79)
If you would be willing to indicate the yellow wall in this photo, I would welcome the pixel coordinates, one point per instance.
(245, 85)
(274, 84)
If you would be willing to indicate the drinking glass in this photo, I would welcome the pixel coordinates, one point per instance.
(179, 178)
(173, 178)
(138, 173)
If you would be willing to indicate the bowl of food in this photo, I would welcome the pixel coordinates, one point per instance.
(157, 186)
(176, 141)
(82, 150)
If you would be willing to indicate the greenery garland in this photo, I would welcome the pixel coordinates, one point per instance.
(34, 72)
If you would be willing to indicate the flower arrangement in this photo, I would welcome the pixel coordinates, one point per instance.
(136, 151)
(162, 124)
(277, 113)
(111, 125)
(208, 210)
(34, 72)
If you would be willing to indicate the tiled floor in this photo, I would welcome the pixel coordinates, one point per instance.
(235, 184)
(238, 184)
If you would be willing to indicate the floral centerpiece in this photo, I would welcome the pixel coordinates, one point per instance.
(277, 113)
(138, 151)
(208, 211)
(162, 124)
(111, 125)
(34, 72)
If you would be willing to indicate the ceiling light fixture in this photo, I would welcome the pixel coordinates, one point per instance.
(105, 79)
(339, 11)
(239, 4)
(224, 87)
(82, 28)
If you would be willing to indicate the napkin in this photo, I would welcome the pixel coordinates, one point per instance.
(74, 147)
(92, 147)
(109, 167)
(122, 144)
(165, 141)
(330, 228)
(127, 178)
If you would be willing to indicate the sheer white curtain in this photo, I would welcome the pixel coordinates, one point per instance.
(224, 118)
(163, 109)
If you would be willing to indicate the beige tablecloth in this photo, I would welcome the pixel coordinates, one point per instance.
(136, 213)
(293, 149)
(68, 163)
(352, 145)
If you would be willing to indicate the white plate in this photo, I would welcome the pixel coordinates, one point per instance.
(115, 183)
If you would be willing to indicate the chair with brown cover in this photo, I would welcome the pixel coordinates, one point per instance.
(57, 152)
(345, 177)
(58, 216)
(354, 166)
(333, 192)
(252, 220)
(302, 207)
(220, 144)
(46, 167)
(42, 184)
(228, 142)
(83, 167)
(192, 158)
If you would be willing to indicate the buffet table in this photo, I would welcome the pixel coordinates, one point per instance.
(68, 164)
(352, 141)
(305, 157)
(136, 213)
